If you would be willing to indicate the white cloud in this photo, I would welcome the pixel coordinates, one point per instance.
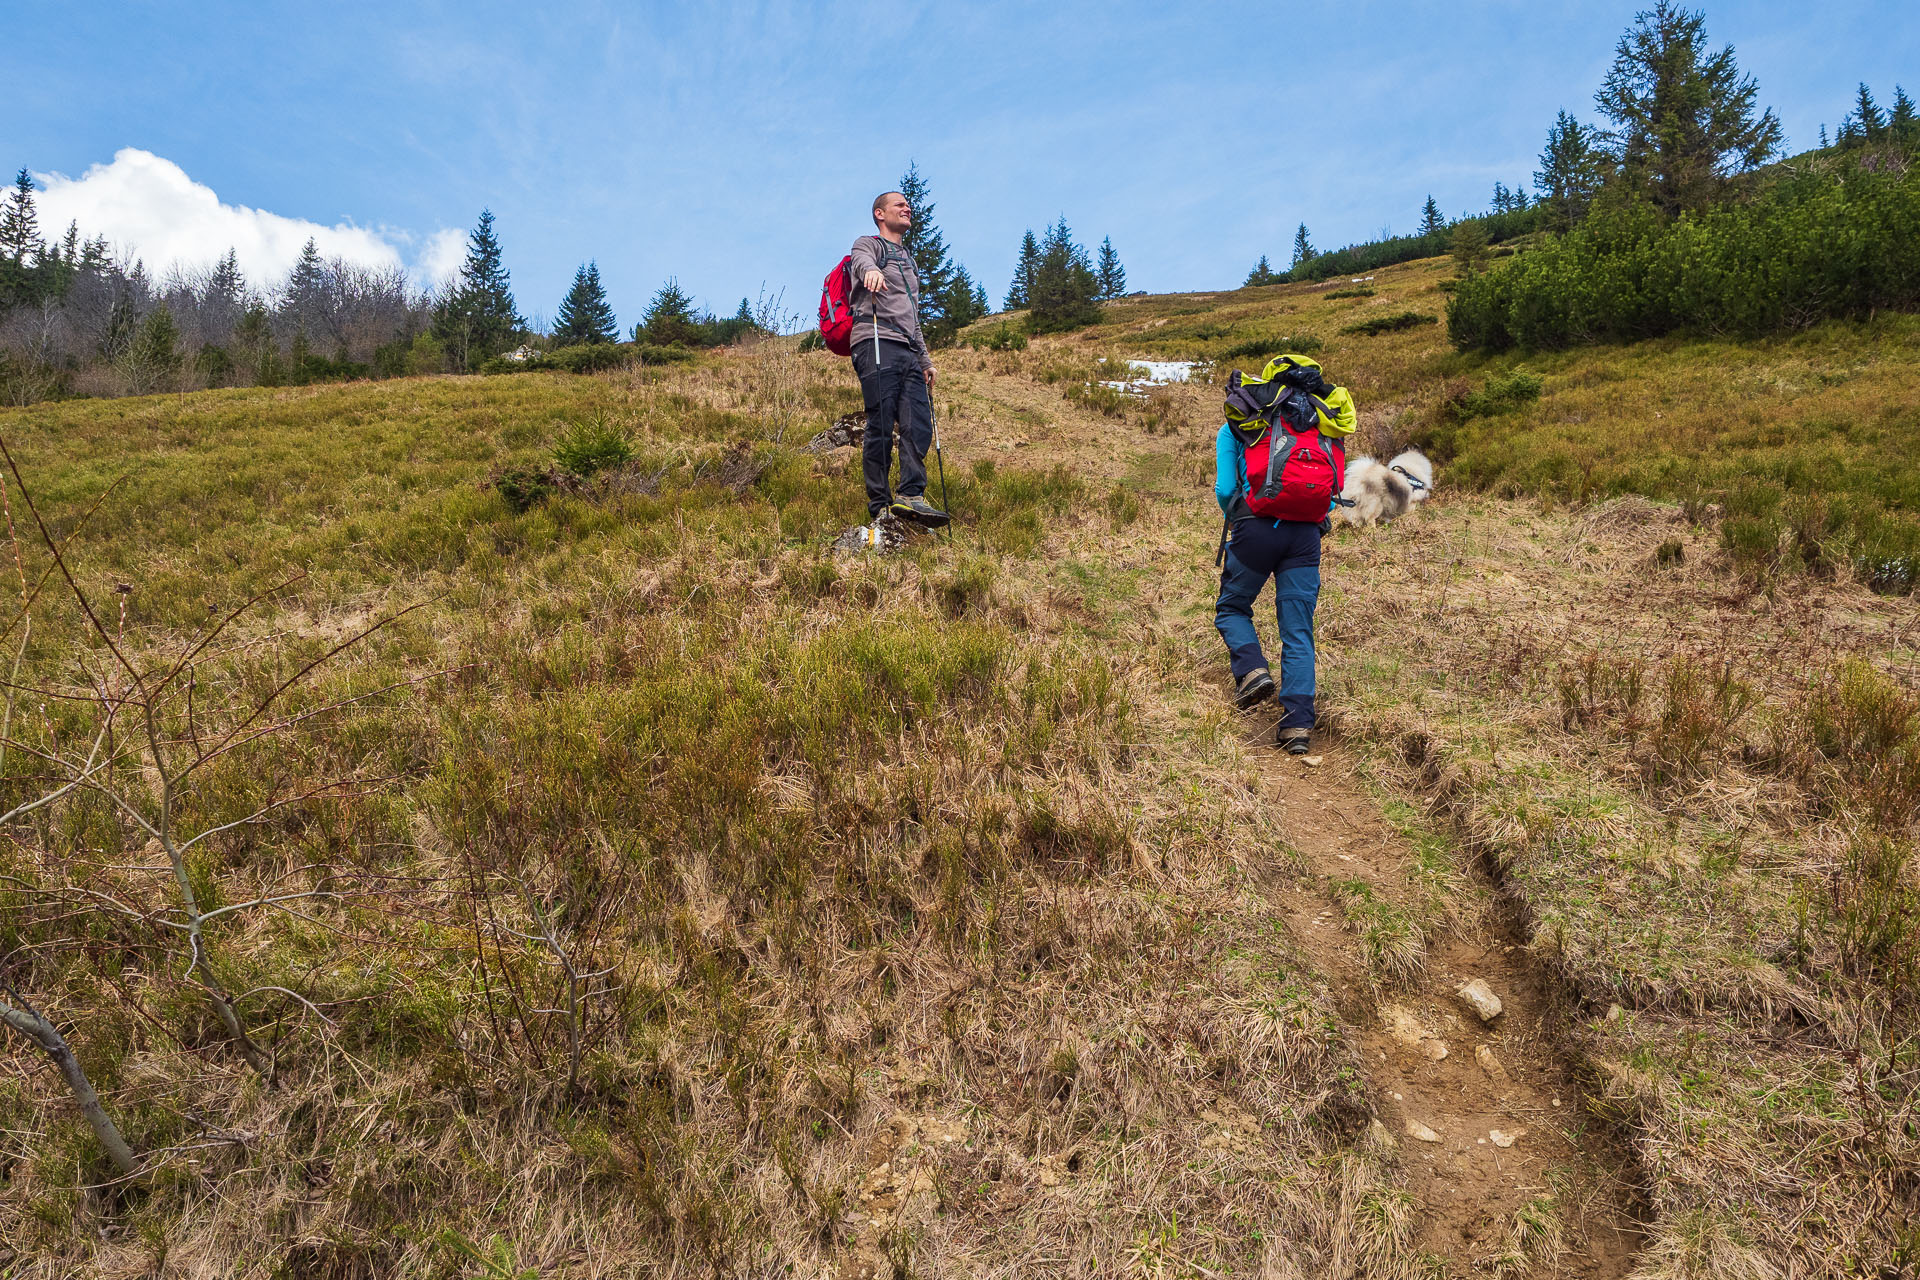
(445, 253)
(147, 207)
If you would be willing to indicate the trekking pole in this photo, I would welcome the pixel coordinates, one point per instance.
(1220, 552)
(940, 459)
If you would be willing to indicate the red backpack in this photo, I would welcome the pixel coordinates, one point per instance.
(836, 308)
(1294, 475)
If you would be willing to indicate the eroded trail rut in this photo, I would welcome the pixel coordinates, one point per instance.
(1451, 1089)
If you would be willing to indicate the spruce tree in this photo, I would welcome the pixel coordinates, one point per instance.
(1020, 292)
(584, 315)
(1866, 115)
(1431, 222)
(1065, 291)
(1302, 246)
(227, 285)
(966, 301)
(1112, 276)
(1501, 201)
(669, 318)
(1469, 245)
(1262, 273)
(928, 249)
(981, 307)
(306, 289)
(478, 318)
(153, 358)
(20, 224)
(1572, 168)
(1903, 123)
(1684, 118)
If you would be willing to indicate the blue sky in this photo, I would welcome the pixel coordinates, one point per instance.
(731, 145)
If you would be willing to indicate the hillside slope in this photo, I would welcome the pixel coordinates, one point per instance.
(681, 898)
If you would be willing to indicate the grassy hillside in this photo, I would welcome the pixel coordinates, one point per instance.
(654, 891)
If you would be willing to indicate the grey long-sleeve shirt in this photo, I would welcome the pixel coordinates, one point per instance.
(898, 309)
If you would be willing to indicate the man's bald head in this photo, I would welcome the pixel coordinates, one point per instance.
(881, 201)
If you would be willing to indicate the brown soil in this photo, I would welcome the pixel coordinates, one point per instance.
(1467, 1187)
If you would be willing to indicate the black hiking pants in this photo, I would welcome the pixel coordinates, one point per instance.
(895, 390)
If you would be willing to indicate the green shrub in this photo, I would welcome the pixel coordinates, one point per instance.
(1364, 291)
(524, 488)
(1299, 343)
(1008, 335)
(592, 446)
(1497, 395)
(1807, 248)
(646, 353)
(1390, 324)
(589, 357)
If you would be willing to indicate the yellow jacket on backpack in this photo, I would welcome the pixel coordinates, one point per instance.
(1337, 414)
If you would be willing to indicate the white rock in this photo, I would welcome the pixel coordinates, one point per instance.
(1479, 996)
(1417, 1130)
(1434, 1049)
(1492, 1065)
(1503, 1139)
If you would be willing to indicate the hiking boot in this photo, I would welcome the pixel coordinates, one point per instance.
(1254, 688)
(920, 511)
(1292, 741)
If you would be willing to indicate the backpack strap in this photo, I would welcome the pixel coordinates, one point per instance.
(1279, 449)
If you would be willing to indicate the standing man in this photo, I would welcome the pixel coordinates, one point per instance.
(895, 371)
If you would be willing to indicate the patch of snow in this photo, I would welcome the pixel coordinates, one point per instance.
(1153, 373)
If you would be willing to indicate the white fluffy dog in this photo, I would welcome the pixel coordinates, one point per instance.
(1374, 492)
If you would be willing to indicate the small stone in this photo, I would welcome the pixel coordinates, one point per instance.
(1479, 996)
(1503, 1139)
(1556, 1102)
(1615, 1013)
(1378, 1132)
(1417, 1130)
(1313, 761)
(1490, 1064)
(1435, 1050)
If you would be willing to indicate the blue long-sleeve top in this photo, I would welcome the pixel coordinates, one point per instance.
(1229, 473)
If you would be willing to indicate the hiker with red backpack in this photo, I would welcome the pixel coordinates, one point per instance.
(1279, 460)
(870, 309)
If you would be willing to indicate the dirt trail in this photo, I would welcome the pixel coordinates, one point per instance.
(1467, 1186)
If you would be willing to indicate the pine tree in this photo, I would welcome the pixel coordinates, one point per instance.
(478, 319)
(1021, 290)
(1065, 291)
(1684, 121)
(1262, 273)
(1869, 124)
(1431, 223)
(1571, 171)
(1824, 144)
(981, 307)
(1519, 199)
(20, 224)
(669, 318)
(1112, 276)
(1502, 201)
(928, 249)
(584, 315)
(1302, 246)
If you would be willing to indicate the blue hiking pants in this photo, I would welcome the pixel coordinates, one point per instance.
(1289, 553)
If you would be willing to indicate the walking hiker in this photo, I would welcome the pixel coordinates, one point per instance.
(1278, 463)
(890, 357)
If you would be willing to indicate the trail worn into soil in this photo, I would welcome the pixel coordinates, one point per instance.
(1450, 1088)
